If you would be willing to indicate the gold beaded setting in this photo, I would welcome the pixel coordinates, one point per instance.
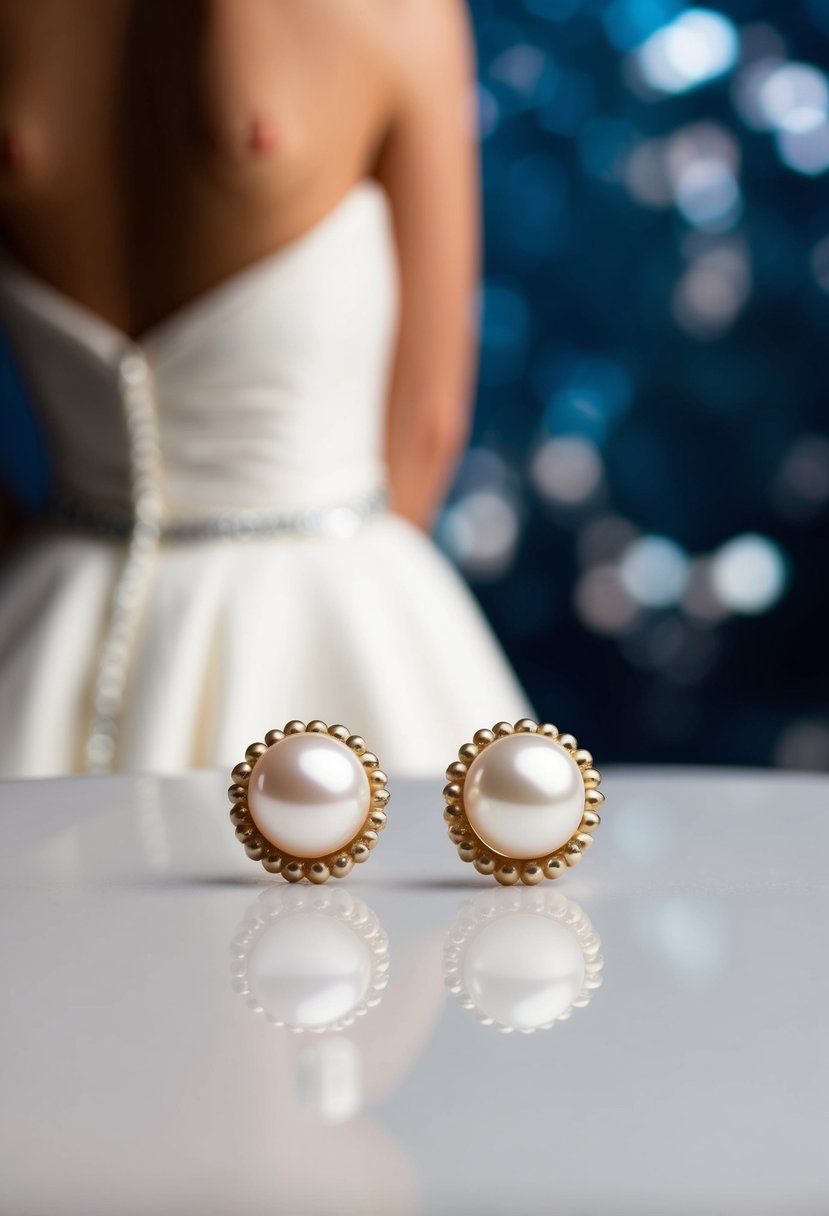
(510, 870)
(316, 870)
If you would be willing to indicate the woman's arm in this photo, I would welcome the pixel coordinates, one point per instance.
(429, 167)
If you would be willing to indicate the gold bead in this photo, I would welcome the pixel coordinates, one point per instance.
(238, 814)
(583, 758)
(293, 871)
(237, 793)
(317, 728)
(273, 736)
(547, 728)
(452, 792)
(467, 850)
(378, 778)
(554, 866)
(369, 760)
(482, 737)
(568, 741)
(502, 728)
(453, 814)
(380, 797)
(584, 840)
(318, 872)
(456, 771)
(484, 864)
(339, 732)
(272, 863)
(572, 854)
(532, 874)
(467, 753)
(526, 726)
(254, 851)
(457, 833)
(254, 752)
(342, 865)
(590, 820)
(360, 851)
(593, 799)
(357, 744)
(244, 832)
(294, 727)
(591, 778)
(241, 773)
(506, 874)
(370, 838)
(378, 820)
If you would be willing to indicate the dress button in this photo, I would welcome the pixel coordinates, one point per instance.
(133, 369)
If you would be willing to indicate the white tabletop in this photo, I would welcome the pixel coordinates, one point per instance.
(146, 963)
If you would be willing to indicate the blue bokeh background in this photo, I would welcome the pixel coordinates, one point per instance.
(643, 508)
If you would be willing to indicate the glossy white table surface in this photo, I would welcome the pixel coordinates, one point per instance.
(142, 954)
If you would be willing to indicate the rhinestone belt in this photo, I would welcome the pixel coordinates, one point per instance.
(335, 521)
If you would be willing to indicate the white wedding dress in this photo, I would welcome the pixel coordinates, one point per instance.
(222, 560)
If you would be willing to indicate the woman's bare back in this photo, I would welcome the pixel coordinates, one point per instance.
(149, 149)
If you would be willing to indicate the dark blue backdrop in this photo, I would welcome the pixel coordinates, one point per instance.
(643, 511)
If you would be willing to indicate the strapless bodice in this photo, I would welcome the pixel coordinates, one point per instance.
(266, 393)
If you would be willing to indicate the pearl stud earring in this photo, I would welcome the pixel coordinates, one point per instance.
(309, 801)
(522, 802)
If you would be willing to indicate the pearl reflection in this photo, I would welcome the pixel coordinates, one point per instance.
(522, 960)
(544, 776)
(310, 960)
(325, 768)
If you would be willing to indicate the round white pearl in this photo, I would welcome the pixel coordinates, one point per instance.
(308, 795)
(524, 796)
(523, 970)
(309, 970)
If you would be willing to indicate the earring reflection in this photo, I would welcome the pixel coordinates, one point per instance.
(522, 959)
(310, 959)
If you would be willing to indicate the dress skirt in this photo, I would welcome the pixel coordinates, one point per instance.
(376, 631)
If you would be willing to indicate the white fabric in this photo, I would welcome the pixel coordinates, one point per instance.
(269, 393)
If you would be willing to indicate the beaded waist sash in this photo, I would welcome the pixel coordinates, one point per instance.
(332, 521)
